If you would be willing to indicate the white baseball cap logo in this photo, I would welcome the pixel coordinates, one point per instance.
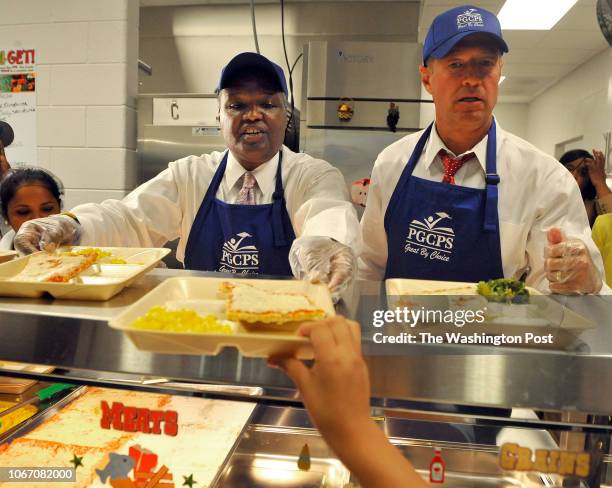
(469, 18)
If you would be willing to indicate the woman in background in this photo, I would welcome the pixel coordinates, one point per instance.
(4, 164)
(4, 167)
(26, 194)
(590, 174)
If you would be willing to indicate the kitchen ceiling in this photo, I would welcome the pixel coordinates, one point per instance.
(537, 59)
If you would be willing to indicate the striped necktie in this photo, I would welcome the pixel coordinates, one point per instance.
(246, 196)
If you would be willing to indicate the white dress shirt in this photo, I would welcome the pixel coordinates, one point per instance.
(265, 175)
(535, 193)
(164, 208)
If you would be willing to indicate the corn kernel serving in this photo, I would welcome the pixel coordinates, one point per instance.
(99, 253)
(181, 320)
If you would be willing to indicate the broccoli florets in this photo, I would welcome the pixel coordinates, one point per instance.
(504, 290)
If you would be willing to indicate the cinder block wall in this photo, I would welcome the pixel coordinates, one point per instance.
(87, 82)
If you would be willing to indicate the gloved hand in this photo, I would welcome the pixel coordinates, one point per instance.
(569, 267)
(47, 234)
(321, 259)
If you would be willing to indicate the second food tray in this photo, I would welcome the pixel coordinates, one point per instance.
(203, 294)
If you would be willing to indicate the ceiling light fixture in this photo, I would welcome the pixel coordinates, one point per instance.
(530, 15)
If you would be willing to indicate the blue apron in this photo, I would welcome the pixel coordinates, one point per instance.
(243, 239)
(438, 231)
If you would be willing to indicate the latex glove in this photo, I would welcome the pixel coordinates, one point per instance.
(321, 259)
(336, 390)
(569, 267)
(47, 234)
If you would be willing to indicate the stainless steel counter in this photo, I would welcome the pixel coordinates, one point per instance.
(267, 453)
(74, 336)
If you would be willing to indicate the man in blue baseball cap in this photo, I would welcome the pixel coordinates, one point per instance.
(464, 200)
(256, 208)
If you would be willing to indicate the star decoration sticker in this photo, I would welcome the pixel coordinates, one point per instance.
(189, 481)
(77, 461)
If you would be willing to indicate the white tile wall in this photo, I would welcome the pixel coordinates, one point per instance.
(132, 53)
(72, 10)
(25, 12)
(44, 157)
(64, 42)
(107, 42)
(89, 84)
(111, 127)
(113, 169)
(86, 55)
(43, 84)
(61, 126)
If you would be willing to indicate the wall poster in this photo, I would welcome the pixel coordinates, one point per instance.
(18, 103)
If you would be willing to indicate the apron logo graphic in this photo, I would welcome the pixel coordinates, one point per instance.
(430, 240)
(239, 257)
(469, 18)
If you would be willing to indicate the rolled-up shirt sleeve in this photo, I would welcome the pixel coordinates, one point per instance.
(324, 209)
(149, 216)
(165, 207)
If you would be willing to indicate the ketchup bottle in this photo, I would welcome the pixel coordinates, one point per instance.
(437, 468)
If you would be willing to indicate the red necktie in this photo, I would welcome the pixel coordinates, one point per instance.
(452, 165)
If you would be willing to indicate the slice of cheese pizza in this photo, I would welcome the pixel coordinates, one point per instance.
(249, 303)
(55, 267)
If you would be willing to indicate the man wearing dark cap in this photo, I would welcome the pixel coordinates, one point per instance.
(464, 200)
(257, 207)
